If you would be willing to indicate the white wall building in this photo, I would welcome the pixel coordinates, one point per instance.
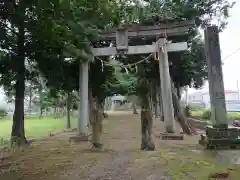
(202, 98)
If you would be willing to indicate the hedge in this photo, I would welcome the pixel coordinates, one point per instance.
(206, 115)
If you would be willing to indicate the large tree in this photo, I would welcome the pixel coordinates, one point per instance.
(40, 33)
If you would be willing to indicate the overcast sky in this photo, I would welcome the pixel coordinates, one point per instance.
(230, 42)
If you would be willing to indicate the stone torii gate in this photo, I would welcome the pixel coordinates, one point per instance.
(162, 47)
(220, 134)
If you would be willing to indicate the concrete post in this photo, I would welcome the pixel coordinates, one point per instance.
(166, 92)
(82, 124)
(215, 76)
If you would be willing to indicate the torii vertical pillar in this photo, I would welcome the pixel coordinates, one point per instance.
(215, 77)
(220, 134)
(166, 92)
(160, 103)
(82, 129)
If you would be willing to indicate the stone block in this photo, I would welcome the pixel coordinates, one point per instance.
(216, 132)
(223, 143)
(221, 137)
(172, 136)
(79, 138)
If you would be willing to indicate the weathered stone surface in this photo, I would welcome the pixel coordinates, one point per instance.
(221, 137)
(225, 132)
(170, 136)
(79, 138)
(236, 123)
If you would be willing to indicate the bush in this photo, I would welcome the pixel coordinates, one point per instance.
(197, 114)
(187, 111)
(206, 115)
(195, 107)
(3, 113)
(234, 116)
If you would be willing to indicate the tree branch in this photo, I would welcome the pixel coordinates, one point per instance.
(8, 28)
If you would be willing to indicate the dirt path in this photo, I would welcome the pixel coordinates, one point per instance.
(54, 158)
(122, 140)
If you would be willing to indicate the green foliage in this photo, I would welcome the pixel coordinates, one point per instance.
(195, 107)
(189, 68)
(3, 113)
(102, 80)
(197, 114)
(43, 100)
(187, 111)
(202, 11)
(126, 84)
(54, 30)
(206, 115)
(234, 116)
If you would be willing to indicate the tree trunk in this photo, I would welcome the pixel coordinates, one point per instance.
(181, 118)
(134, 108)
(101, 115)
(105, 115)
(146, 125)
(96, 118)
(41, 112)
(150, 97)
(156, 106)
(55, 111)
(18, 132)
(30, 99)
(154, 100)
(178, 92)
(41, 101)
(160, 104)
(68, 110)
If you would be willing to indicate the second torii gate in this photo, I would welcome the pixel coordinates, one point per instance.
(162, 47)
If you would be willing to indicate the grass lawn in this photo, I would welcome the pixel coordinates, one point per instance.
(35, 127)
(197, 113)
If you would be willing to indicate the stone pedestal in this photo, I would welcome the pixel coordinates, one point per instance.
(172, 136)
(79, 138)
(221, 136)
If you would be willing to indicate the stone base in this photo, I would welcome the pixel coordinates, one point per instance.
(79, 138)
(172, 136)
(221, 137)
